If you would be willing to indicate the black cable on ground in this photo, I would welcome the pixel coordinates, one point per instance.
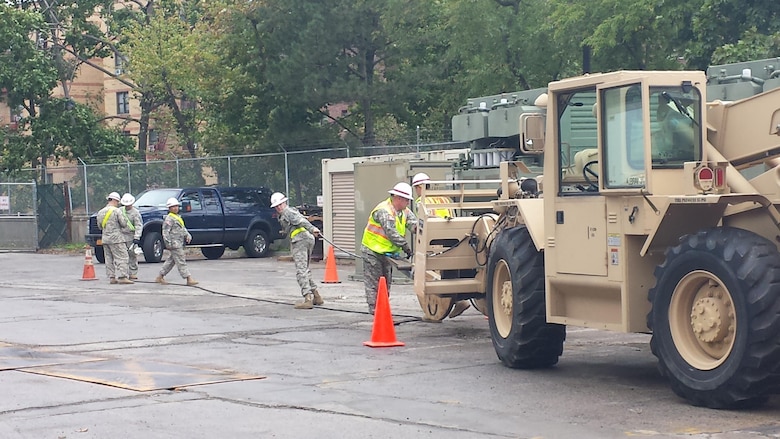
(406, 318)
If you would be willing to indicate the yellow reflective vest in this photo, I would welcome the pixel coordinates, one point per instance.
(374, 236)
(441, 213)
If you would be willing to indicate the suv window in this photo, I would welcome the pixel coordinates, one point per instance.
(194, 198)
(265, 197)
(211, 201)
(241, 199)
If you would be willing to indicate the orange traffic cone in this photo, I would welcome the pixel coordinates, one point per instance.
(383, 334)
(89, 268)
(331, 275)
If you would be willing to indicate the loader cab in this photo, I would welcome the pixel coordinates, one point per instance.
(612, 136)
(618, 140)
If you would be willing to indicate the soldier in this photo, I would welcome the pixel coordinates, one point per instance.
(384, 237)
(301, 233)
(175, 236)
(111, 221)
(420, 181)
(135, 227)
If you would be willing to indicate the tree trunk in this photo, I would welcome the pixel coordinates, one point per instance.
(147, 103)
(369, 137)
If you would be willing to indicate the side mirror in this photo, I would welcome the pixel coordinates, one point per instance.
(186, 206)
(532, 133)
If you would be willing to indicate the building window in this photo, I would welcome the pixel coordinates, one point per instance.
(122, 103)
(119, 64)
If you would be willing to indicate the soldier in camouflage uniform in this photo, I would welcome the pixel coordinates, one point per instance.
(175, 236)
(384, 238)
(111, 221)
(135, 227)
(301, 233)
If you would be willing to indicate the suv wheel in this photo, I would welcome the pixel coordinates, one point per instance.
(256, 245)
(153, 247)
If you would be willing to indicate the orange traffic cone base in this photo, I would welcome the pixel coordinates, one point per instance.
(380, 344)
(331, 275)
(383, 333)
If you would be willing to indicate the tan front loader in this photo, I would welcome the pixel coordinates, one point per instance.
(658, 214)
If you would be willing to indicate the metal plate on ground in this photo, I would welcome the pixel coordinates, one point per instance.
(14, 357)
(141, 376)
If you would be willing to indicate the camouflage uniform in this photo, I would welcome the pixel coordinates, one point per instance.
(135, 227)
(376, 265)
(175, 236)
(301, 246)
(113, 239)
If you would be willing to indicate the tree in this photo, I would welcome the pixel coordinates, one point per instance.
(751, 46)
(161, 48)
(47, 127)
(718, 23)
(626, 34)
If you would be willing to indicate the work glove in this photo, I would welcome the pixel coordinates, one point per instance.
(137, 242)
(408, 251)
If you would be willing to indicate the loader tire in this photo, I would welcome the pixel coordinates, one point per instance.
(715, 317)
(521, 335)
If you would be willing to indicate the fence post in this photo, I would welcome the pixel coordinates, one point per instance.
(35, 207)
(230, 175)
(286, 173)
(86, 187)
(129, 184)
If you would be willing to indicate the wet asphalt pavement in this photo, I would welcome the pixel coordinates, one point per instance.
(231, 358)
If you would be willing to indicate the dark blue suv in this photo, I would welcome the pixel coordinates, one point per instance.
(216, 218)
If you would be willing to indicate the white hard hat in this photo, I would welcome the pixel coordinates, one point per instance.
(172, 202)
(421, 178)
(402, 190)
(277, 198)
(113, 196)
(127, 200)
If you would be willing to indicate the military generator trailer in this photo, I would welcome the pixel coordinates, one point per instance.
(652, 227)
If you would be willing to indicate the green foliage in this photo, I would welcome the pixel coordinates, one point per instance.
(62, 129)
(751, 46)
(718, 23)
(26, 72)
(239, 76)
(30, 69)
(161, 49)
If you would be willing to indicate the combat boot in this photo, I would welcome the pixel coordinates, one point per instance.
(133, 277)
(112, 281)
(317, 298)
(124, 281)
(191, 282)
(160, 280)
(307, 303)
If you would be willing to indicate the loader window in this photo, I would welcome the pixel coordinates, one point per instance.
(676, 118)
(623, 128)
(577, 142)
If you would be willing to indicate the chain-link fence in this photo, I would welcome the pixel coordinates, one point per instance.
(18, 220)
(296, 173)
(299, 174)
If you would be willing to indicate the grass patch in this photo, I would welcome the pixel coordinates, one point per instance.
(69, 246)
